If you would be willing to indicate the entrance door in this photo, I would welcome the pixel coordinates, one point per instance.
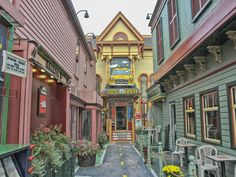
(172, 126)
(121, 118)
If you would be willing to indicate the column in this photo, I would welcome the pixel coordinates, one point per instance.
(94, 126)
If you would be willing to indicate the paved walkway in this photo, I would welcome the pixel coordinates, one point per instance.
(121, 160)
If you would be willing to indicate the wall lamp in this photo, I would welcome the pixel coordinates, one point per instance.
(86, 15)
(148, 17)
(93, 35)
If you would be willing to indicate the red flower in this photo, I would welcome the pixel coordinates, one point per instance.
(30, 170)
(30, 158)
(32, 146)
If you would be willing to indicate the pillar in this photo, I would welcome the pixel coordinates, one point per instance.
(94, 126)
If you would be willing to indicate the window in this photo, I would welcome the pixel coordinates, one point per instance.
(87, 124)
(233, 110)
(189, 117)
(74, 115)
(77, 59)
(198, 6)
(211, 118)
(173, 22)
(160, 56)
(98, 83)
(85, 73)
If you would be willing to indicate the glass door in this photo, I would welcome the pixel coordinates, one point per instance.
(121, 118)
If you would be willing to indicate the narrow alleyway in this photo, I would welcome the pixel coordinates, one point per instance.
(121, 160)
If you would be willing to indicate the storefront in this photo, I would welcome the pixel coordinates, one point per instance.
(121, 113)
(49, 92)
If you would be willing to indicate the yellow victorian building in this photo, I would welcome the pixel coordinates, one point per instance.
(124, 71)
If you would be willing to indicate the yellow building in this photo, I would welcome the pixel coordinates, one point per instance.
(124, 70)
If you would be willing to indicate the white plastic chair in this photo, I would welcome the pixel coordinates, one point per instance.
(179, 150)
(206, 163)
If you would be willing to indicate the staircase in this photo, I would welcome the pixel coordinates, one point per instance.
(121, 136)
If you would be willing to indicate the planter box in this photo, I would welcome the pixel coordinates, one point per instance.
(87, 161)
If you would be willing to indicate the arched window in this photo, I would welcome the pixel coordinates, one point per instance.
(98, 83)
(143, 84)
(152, 79)
(120, 37)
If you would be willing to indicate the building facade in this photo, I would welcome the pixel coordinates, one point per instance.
(194, 73)
(124, 71)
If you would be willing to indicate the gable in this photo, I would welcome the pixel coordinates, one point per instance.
(120, 29)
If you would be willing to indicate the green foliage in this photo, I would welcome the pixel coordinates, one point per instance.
(52, 148)
(86, 148)
(102, 139)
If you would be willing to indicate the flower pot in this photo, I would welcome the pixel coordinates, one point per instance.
(86, 161)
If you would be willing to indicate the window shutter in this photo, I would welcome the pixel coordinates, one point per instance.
(159, 42)
(173, 22)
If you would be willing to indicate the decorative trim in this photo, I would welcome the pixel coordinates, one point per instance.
(181, 74)
(201, 61)
(190, 69)
(174, 79)
(216, 52)
(164, 85)
(232, 36)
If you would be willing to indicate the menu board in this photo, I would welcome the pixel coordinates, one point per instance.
(2, 172)
(10, 167)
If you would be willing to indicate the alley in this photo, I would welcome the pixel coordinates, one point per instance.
(121, 160)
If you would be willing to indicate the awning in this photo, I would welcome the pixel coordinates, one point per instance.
(155, 93)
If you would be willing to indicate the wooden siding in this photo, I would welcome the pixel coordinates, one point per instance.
(47, 22)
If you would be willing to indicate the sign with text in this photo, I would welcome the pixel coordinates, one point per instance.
(14, 64)
(127, 91)
(42, 103)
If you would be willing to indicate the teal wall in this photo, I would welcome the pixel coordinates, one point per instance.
(219, 81)
(186, 27)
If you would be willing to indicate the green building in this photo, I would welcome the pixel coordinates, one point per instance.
(194, 93)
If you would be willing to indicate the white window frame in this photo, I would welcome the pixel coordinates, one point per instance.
(187, 110)
(209, 109)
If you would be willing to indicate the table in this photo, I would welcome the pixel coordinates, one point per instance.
(222, 159)
(186, 146)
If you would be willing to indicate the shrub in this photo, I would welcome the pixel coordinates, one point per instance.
(102, 139)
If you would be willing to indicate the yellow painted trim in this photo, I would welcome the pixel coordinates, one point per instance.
(211, 109)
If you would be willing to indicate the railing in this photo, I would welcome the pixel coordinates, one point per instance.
(143, 140)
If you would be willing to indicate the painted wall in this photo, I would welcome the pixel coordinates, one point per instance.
(186, 27)
(219, 81)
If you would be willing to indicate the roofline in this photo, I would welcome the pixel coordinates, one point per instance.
(78, 28)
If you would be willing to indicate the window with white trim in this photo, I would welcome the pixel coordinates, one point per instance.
(211, 117)
(189, 117)
(233, 111)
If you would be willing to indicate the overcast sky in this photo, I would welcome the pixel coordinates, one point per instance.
(101, 12)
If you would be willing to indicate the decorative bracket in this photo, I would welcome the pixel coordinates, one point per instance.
(164, 84)
(181, 74)
(232, 36)
(189, 68)
(201, 61)
(169, 83)
(174, 79)
(216, 51)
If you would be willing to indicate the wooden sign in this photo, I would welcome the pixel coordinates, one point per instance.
(42, 101)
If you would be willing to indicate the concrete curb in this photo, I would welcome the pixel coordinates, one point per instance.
(152, 171)
(103, 155)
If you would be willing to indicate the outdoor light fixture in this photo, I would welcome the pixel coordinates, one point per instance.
(86, 15)
(148, 17)
(93, 35)
(42, 70)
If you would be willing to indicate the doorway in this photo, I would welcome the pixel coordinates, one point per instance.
(121, 118)
(172, 114)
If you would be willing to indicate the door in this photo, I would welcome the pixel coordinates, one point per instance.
(121, 118)
(172, 114)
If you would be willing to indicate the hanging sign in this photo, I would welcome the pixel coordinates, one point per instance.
(42, 101)
(14, 64)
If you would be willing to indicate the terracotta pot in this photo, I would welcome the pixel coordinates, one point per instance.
(86, 161)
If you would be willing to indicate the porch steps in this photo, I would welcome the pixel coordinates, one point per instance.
(121, 136)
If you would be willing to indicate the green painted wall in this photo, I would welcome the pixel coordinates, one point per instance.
(186, 26)
(219, 81)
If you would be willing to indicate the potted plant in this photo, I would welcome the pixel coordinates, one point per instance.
(102, 139)
(86, 152)
(172, 171)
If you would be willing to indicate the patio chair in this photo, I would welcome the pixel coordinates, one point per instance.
(205, 163)
(179, 150)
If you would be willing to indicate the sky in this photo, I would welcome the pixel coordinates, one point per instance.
(101, 12)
